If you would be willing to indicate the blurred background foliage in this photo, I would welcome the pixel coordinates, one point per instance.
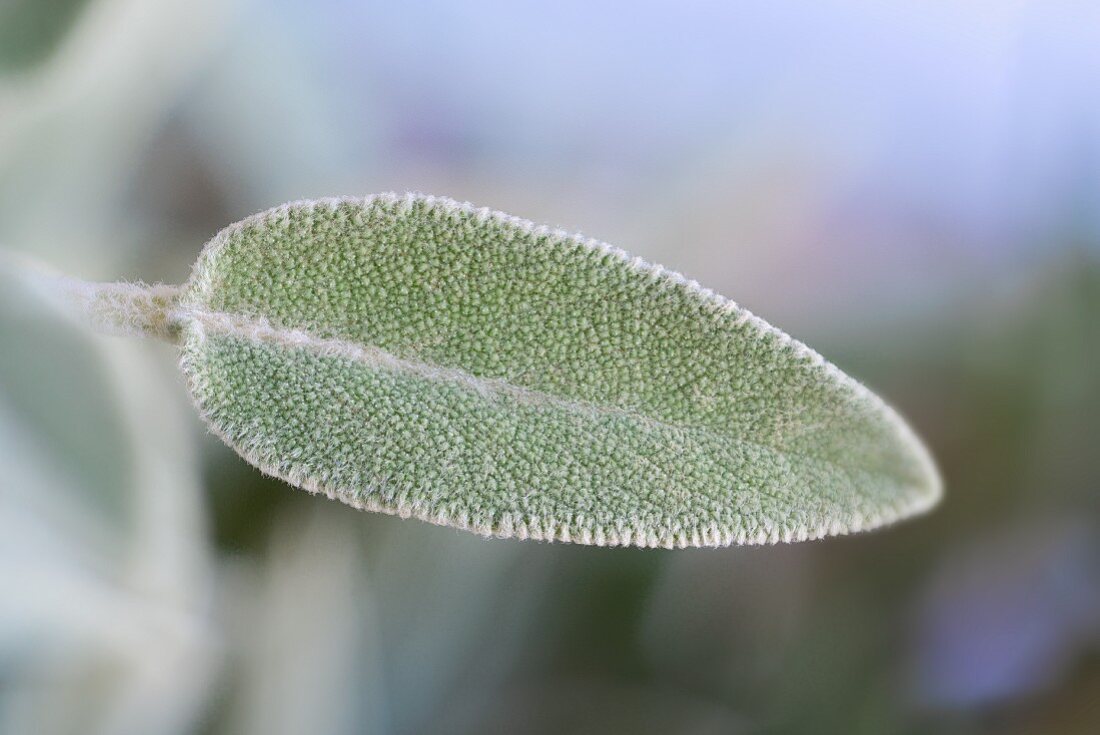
(912, 187)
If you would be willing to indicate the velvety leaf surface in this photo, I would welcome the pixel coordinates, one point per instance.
(422, 357)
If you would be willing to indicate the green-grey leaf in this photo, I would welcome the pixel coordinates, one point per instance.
(422, 357)
(30, 30)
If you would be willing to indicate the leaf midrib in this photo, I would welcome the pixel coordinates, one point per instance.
(259, 330)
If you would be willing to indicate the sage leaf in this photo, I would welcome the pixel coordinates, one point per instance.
(417, 356)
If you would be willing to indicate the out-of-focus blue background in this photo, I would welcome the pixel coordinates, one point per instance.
(912, 187)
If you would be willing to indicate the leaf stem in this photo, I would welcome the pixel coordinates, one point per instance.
(125, 308)
(116, 308)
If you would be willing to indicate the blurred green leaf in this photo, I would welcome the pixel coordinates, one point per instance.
(31, 30)
(54, 382)
(101, 553)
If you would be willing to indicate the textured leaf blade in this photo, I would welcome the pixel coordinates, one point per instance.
(422, 357)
